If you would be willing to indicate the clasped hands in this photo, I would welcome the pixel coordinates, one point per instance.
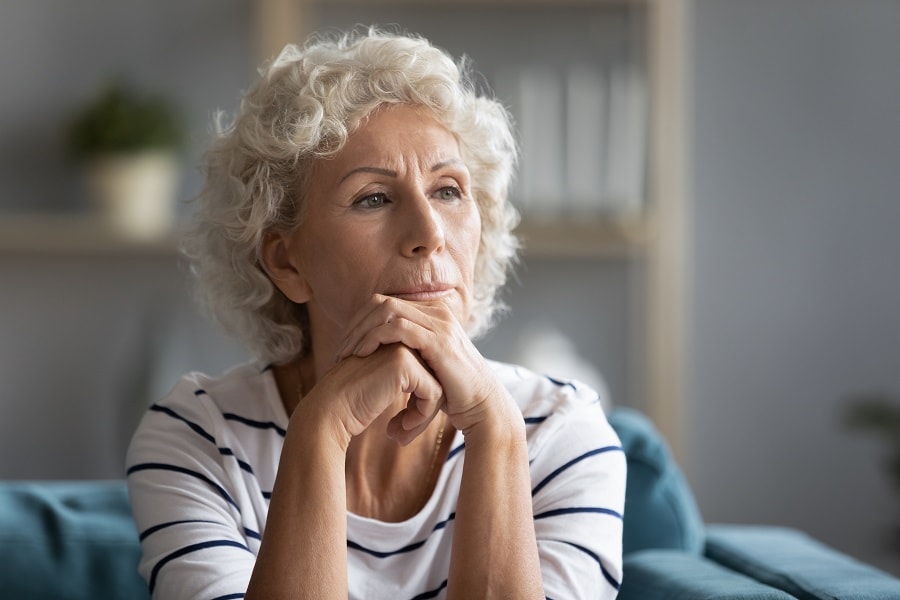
(411, 354)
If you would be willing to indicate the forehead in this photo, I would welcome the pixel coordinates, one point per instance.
(397, 130)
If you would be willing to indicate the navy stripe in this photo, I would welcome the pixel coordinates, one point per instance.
(242, 464)
(155, 528)
(561, 383)
(455, 451)
(182, 470)
(256, 424)
(414, 546)
(606, 573)
(267, 495)
(187, 550)
(248, 532)
(533, 420)
(200, 392)
(577, 509)
(432, 593)
(229, 596)
(574, 461)
(202, 432)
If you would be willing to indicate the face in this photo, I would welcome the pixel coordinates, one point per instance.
(392, 213)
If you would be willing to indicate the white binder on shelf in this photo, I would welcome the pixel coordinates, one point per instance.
(627, 152)
(586, 140)
(542, 170)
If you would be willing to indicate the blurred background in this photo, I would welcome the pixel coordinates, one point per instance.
(710, 193)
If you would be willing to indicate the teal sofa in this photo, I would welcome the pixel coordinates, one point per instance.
(76, 540)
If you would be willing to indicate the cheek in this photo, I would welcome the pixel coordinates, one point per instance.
(338, 268)
(473, 241)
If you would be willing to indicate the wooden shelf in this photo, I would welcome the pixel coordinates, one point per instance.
(476, 3)
(595, 237)
(76, 234)
(592, 237)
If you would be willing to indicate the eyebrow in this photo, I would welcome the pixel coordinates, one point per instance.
(390, 173)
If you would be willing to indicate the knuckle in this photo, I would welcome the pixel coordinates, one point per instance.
(391, 305)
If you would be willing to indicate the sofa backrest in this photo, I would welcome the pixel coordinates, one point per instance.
(69, 540)
(660, 510)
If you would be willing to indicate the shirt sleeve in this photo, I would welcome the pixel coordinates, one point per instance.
(188, 515)
(578, 496)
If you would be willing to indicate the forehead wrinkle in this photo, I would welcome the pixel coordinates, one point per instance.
(376, 170)
(455, 162)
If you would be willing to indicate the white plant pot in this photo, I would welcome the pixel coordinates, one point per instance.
(135, 193)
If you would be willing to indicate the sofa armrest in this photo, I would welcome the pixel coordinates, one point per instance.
(677, 575)
(796, 563)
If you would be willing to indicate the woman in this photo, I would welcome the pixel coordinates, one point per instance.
(354, 231)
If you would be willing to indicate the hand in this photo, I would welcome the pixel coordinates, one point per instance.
(471, 391)
(359, 390)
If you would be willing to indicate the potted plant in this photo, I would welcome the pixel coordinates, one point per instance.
(879, 414)
(128, 144)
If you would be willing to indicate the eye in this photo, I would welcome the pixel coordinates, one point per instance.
(450, 192)
(372, 201)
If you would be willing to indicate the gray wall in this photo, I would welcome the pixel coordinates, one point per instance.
(88, 341)
(796, 262)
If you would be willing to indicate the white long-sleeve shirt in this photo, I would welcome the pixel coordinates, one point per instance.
(202, 465)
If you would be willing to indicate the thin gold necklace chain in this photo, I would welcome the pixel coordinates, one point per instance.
(438, 443)
(434, 458)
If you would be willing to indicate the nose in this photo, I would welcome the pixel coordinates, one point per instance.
(422, 228)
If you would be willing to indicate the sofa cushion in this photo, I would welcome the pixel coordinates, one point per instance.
(68, 540)
(677, 575)
(792, 561)
(660, 510)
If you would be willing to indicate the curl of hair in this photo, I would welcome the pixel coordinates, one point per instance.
(303, 107)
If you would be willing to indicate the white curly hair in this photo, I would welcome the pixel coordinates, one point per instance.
(303, 107)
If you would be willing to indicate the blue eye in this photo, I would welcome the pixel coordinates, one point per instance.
(449, 192)
(372, 201)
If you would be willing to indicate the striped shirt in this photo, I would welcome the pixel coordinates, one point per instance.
(202, 465)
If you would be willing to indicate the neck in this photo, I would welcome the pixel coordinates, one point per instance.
(389, 482)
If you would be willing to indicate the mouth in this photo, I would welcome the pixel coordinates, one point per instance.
(423, 293)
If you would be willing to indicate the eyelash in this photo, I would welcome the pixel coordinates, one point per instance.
(457, 193)
(363, 202)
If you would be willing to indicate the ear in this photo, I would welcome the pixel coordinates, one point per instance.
(283, 268)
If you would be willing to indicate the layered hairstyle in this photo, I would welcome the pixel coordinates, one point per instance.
(303, 108)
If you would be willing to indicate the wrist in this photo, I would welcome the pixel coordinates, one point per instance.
(501, 425)
(315, 423)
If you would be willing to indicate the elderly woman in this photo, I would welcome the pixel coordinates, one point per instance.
(353, 232)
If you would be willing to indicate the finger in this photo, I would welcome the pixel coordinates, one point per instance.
(372, 314)
(399, 331)
(420, 410)
(401, 434)
(383, 313)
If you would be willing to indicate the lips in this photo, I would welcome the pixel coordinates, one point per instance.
(422, 293)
